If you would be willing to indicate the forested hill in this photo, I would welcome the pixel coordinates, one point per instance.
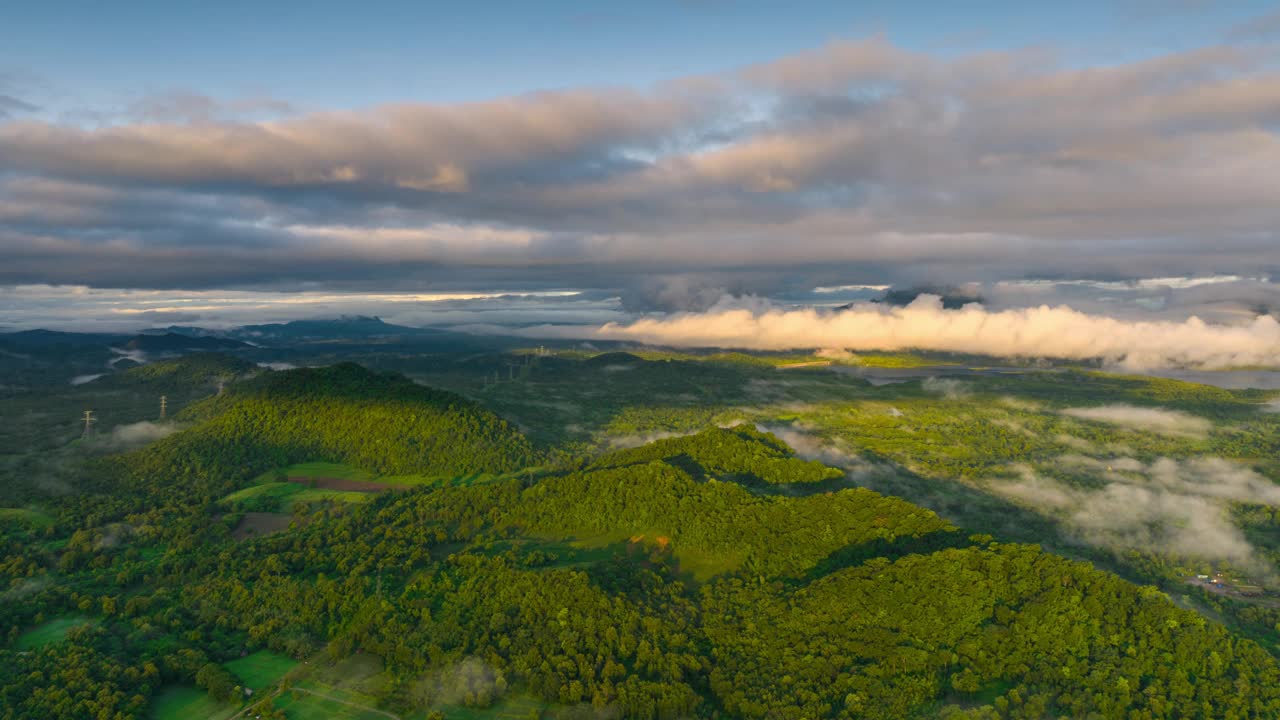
(197, 369)
(713, 575)
(380, 422)
(739, 453)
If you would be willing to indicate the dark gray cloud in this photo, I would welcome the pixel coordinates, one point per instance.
(10, 105)
(180, 106)
(1261, 28)
(859, 162)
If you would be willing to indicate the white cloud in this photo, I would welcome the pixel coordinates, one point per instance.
(1158, 420)
(141, 432)
(1058, 332)
(1167, 506)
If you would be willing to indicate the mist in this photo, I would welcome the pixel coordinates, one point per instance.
(1167, 506)
(141, 433)
(1158, 420)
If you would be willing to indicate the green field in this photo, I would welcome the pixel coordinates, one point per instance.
(52, 631)
(313, 700)
(314, 469)
(288, 494)
(261, 669)
(265, 490)
(33, 519)
(517, 707)
(896, 360)
(183, 702)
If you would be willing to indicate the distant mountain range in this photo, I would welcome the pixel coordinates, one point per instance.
(343, 327)
(185, 337)
(952, 298)
(171, 342)
(358, 326)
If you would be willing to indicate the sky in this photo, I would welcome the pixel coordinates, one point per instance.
(661, 157)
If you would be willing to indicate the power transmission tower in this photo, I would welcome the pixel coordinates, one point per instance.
(89, 420)
(222, 385)
(164, 405)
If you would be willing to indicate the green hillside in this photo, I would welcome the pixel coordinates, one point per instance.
(713, 575)
(382, 423)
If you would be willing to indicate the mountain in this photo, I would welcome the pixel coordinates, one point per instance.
(173, 342)
(380, 422)
(53, 338)
(200, 368)
(338, 522)
(952, 298)
(338, 328)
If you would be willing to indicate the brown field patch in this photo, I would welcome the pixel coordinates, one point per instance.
(257, 524)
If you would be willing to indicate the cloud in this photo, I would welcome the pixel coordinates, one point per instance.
(89, 309)
(949, 388)
(1057, 332)
(140, 433)
(179, 106)
(636, 440)
(10, 105)
(472, 682)
(856, 163)
(1257, 29)
(810, 447)
(1158, 420)
(1168, 506)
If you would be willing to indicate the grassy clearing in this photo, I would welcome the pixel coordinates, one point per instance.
(261, 669)
(257, 524)
(318, 494)
(289, 494)
(53, 631)
(896, 360)
(265, 490)
(33, 519)
(512, 707)
(183, 702)
(318, 701)
(314, 469)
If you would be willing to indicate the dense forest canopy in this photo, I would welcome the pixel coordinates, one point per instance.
(704, 570)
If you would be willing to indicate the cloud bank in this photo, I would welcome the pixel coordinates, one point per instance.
(1057, 332)
(855, 163)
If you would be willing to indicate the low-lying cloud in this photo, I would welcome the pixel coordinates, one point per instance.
(1180, 507)
(812, 447)
(1158, 420)
(140, 433)
(1056, 332)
